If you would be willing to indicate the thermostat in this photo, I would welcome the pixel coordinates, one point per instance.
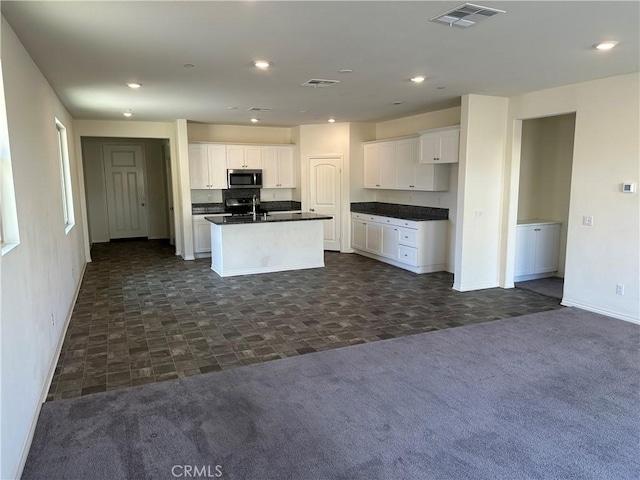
(628, 188)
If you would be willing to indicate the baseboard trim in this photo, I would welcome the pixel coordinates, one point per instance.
(52, 368)
(280, 268)
(602, 311)
(474, 286)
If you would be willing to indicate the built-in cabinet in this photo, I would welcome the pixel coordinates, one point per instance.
(278, 167)
(537, 249)
(439, 146)
(416, 246)
(208, 164)
(393, 165)
(201, 236)
(244, 157)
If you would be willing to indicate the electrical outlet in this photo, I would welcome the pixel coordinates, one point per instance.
(53, 320)
(477, 213)
(587, 220)
(619, 289)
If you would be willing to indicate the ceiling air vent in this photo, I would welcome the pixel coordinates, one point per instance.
(318, 82)
(466, 15)
(259, 109)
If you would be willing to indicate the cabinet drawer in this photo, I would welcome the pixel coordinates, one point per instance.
(408, 237)
(368, 217)
(408, 255)
(405, 223)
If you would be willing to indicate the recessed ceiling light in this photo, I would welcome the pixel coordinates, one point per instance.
(302, 111)
(189, 65)
(440, 88)
(134, 85)
(128, 114)
(417, 79)
(232, 108)
(262, 64)
(331, 120)
(605, 45)
(346, 70)
(254, 120)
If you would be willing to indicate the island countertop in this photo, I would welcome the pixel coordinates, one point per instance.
(271, 218)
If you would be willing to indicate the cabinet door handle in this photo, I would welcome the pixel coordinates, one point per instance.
(312, 209)
(536, 229)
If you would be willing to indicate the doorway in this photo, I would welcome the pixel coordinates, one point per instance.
(127, 188)
(546, 157)
(325, 196)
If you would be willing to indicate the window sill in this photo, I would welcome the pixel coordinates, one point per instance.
(68, 228)
(7, 247)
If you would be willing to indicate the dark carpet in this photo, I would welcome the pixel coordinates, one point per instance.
(552, 395)
(550, 287)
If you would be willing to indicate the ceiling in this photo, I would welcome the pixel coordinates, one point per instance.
(88, 51)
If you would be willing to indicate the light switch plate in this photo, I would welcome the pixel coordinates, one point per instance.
(587, 220)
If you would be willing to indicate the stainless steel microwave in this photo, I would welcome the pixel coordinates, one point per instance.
(244, 178)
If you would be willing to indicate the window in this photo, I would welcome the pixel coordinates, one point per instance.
(65, 177)
(9, 234)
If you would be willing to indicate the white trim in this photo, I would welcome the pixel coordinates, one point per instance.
(602, 311)
(278, 268)
(533, 276)
(7, 247)
(43, 394)
(474, 286)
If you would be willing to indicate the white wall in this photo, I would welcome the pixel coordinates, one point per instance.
(606, 152)
(204, 132)
(545, 173)
(410, 126)
(155, 181)
(328, 139)
(41, 275)
(483, 130)
(359, 133)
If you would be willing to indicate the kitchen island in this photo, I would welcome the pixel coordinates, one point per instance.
(242, 245)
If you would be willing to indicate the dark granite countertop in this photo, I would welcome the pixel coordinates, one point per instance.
(404, 212)
(271, 218)
(275, 206)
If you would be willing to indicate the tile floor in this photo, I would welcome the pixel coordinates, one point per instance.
(144, 315)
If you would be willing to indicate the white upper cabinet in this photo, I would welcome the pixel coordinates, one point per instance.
(393, 165)
(244, 157)
(278, 167)
(207, 166)
(371, 166)
(440, 146)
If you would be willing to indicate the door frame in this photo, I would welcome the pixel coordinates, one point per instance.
(511, 198)
(345, 206)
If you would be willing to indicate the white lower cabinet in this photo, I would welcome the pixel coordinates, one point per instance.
(416, 246)
(537, 250)
(201, 235)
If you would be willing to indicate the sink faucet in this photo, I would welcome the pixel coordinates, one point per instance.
(253, 208)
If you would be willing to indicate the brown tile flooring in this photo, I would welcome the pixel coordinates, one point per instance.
(144, 315)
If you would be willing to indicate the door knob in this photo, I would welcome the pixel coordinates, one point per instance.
(312, 209)
(142, 204)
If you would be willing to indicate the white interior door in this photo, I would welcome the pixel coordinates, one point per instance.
(325, 196)
(126, 200)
